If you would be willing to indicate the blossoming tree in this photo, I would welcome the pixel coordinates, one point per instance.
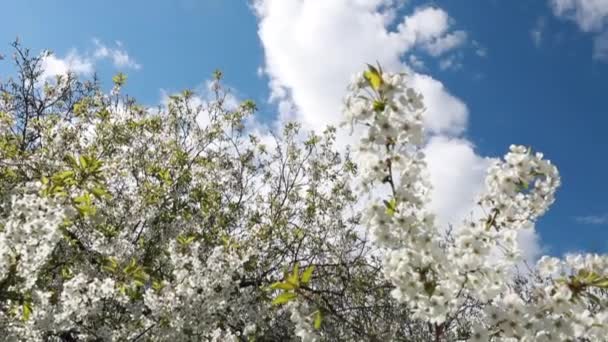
(120, 222)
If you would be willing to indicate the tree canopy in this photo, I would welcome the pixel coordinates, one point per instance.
(125, 222)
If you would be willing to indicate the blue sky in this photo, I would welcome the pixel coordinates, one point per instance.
(546, 92)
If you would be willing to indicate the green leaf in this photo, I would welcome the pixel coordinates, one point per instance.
(157, 285)
(391, 206)
(165, 176)
(522, 186)
(373, 77)
(318, 319)
(185, 240)
(603, 283)
(294, 277)
(84, 204)
(379, 105)
(131, 267)
(71, 160)
(103, 114)
(83, 199)
(63, 175)
(111, 264)
(119, 79)
(592, 277)
(66, 273)
(187, 93)
(100, 192)
(282, 286)
(284, 298)
(83, 162)
(307, 274)
(27, 310)
(80, 108)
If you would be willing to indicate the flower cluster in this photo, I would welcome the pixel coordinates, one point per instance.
(470, 273)
(29, 235)
(303, 323)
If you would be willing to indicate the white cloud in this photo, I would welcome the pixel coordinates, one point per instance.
(455, 187)
(480, 50)
(530, 245)
(446, 43)
(416, 62)
(72, 62)
(84, 63)
(452, 62)
(445, 113)
(536, 33)
(118, 55)
(590, 15)
(312, 48)
(593, 219)
(600, 47)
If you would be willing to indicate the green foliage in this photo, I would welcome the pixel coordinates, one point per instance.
(391, 206)
(373, 76)
(26, 308)
(185, 240)
(292, 283)
(111, 264)
(81, 107)
(249, 105)
(84, 204)
(66, 273)
(379, 105)
(294, 276)
(119, 79)
(136, 273)
(318, 319)
(284, 298)
(583, 280)
(307, 274)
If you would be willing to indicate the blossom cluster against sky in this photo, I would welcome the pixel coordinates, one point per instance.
(493, 74)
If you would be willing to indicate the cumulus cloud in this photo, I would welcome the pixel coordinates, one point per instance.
(480, 50)
(452, 62)
(446, 43)
(590, 16)
(455, 187)
(416, 62)
(530, 245)
(72, 62)
(445, 113)
(596, 220)
(312, 48)
(117, 54)
(84, 63)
